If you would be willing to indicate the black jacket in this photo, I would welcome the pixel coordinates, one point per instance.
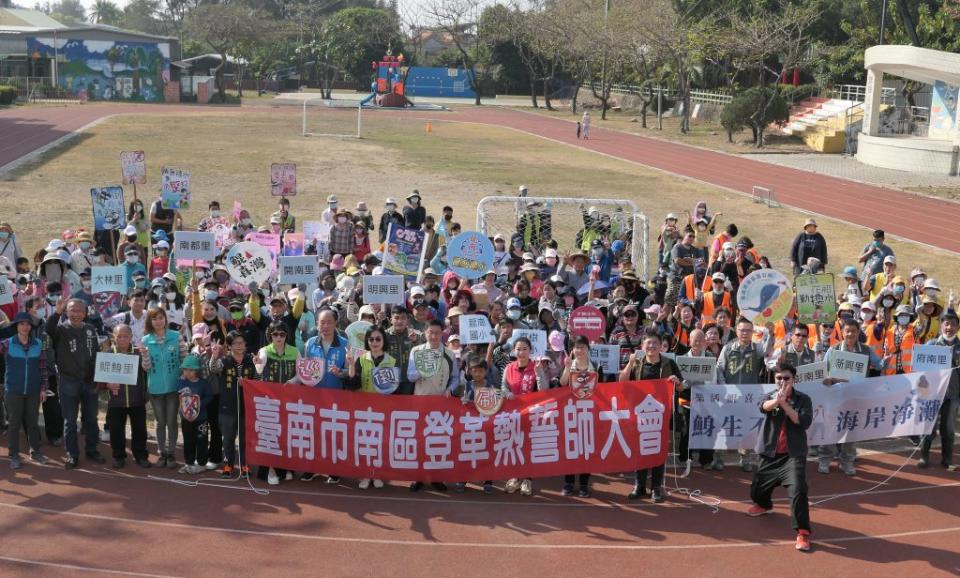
(75, 348)
(796, 433)
(806, 246)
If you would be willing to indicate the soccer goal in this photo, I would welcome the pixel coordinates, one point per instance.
(565, 219)
(337, 118)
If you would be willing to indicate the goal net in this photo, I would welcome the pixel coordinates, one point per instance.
(566, 220)
(337, 118)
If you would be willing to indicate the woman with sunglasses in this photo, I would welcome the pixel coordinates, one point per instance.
(361, 374)
(277, 363)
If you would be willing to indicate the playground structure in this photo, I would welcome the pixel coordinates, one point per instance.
(387, 89)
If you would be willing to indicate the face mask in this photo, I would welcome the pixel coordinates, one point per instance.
(85, 246)
(513, 314)
(245, 222)
(4, 234)
(887, 303)
(728, 253)
(140, 284)
(53, 297)
(210, 295)
(85, 285)
(866, 315)
(341, 220)
(903, 319)
(215, 214)
(236, 315)
(932, 293)
(133, 259)
(898, 289)
(597, 253)
(329, 285)
(171, 295)
(391, 208)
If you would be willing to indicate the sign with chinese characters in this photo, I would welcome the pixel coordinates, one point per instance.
(926, 357)
(621, 427)
(470, 255)
(765, 296)
(538, 341)
(270, 242)
(283, 179)
(475, 329)
(222, 235)
(316, 231)
(310, 370)
(296, 270)
(174, 188)
(697, 370)
(386, 380)
(383, 289)
(133, 167)
(193, 245)
(248, 262)
(587, 321)
(728, 416)
(108, 211)
(605, 357)
(812, 372)
(116, 368)
(403, 251)
(108, 279)
(427, 362)
(6, 291)
(816, 298)
(583, 383)
(847, 365)
(355, 332)
(488, 400)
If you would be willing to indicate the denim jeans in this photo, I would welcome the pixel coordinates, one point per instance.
(73, 396)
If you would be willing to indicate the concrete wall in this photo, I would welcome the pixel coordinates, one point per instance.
(913, 155)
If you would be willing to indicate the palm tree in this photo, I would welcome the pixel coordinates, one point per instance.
(105, 12)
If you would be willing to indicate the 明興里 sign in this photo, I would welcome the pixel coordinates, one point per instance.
(621, 427)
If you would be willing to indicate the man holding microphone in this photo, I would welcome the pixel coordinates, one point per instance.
(783, 457)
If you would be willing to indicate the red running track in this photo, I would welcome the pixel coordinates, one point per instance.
(918, 218)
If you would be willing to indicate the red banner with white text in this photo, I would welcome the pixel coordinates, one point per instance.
(622, 427)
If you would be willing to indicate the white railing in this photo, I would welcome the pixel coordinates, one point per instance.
(707, 96)
(858, 93)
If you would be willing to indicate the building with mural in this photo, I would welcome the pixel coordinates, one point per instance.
(90, 62)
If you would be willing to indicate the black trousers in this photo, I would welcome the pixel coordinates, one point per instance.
(52, 415)
(232, 428)
(782, 470)
(195, 443)
(640, 477)
(215, 453)
(117, 425)
(947, 426)
(584, 479)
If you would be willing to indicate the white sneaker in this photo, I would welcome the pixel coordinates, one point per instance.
(211, 466)
(184, 469)
(197, 469)
(272, 478)
(377, 484)
(104, 436)
(512, 485)
(526, 487)
(823, 466)
(848, 468)
(364, 484)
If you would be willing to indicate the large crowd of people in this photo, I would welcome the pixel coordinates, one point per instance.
(199, 332)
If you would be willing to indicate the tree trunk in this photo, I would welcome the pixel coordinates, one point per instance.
(546, 94)
(241, 70)
(533, 93)
(576, 96)
(218, 77)
(643, 113)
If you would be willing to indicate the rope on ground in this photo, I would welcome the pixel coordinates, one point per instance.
(876, 486)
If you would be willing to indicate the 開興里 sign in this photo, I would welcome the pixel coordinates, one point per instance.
(195, 246)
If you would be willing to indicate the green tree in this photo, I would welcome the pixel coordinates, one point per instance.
(355, 37)
(756, 108)
(224, 28)
(105, 12)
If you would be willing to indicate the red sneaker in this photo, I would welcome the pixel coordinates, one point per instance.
(803, 541)
(758, 510)
(227, 471)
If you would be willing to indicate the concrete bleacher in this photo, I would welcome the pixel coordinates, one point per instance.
(821, 122)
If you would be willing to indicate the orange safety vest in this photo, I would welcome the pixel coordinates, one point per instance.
(723, 238)
(709, 307)
(754, 254)
(905, 351)
(690, 286)
(781, 338)
(876, 344)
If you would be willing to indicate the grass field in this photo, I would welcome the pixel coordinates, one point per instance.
(229, 154)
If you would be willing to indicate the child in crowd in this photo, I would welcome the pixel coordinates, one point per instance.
(194, 396)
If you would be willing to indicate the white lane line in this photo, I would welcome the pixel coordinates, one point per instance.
(510, 545)
(81, 568)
